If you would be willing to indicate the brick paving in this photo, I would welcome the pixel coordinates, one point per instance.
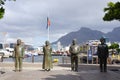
(33, 71)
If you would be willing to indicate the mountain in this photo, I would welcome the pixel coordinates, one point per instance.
(114, 34)
(85, 34)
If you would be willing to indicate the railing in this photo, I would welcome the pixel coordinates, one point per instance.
(64, 59)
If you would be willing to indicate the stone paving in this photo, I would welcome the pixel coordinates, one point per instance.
(33, 71)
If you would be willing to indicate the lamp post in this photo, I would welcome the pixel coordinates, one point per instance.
(4, 41)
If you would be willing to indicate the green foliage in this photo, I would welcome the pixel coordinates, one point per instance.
(118, 50)
(2, 9)
(111, 4)
(114, 46)
(112, 12)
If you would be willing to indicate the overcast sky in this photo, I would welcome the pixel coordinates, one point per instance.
(27, 19)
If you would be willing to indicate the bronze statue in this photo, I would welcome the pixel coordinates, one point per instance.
(103, 54)
(47, 57)
(19, 55)
(74, 50)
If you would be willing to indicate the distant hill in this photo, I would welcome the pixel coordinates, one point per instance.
(114, 35)
(85, 34)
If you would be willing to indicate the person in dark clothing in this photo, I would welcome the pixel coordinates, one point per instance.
(103, 54)
(74, 50)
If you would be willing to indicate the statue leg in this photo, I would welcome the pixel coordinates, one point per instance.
(20, 64)
(72, 63)
(105, 65)
(101, 63)
(76, 63)
(16, 64)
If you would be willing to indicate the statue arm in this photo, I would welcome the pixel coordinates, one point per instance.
(98, 52)
(70, 49)
(13, 55)
(78, 49)
(50, 50)
(44, 49)
(23, 52)
(107, 51)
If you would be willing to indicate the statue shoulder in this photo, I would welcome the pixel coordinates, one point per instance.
(99, 45)
(43, 47)
(106, 45)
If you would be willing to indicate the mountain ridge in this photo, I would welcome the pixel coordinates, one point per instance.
(85, 34)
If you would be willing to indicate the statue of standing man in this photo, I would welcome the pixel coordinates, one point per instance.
(47, 57)
(103, 54)
(19, 55)
(74, 50)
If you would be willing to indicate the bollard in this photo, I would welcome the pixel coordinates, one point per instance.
(32, 58)
(67, 59)
(1, 57)
(63, 59)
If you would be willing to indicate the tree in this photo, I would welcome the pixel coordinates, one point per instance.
(2, 9)
(114, 46)
(112, 12)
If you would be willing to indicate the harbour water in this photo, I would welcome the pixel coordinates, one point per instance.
(38, 58)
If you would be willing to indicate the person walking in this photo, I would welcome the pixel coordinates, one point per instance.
(74, 50)
(47, 57)
(19, 55)
(103, 54)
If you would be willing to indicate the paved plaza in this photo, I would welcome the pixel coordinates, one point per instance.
(33, 71)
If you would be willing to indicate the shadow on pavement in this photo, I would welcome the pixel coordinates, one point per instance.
(2, 72)
(64, 77)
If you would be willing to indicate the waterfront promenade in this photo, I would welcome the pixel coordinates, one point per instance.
(33, 71)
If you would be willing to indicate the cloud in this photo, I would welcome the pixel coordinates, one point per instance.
(27, 19)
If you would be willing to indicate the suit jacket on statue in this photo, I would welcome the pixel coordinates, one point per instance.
(74, 49)
(102, 51)
(19, 51)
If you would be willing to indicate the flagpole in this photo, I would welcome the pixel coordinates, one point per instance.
(48, 28)
(48, 25)
(48, 33)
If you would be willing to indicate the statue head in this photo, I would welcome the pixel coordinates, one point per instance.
(102, 40)
(18, 41)
(74, 42)
(47, 43)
